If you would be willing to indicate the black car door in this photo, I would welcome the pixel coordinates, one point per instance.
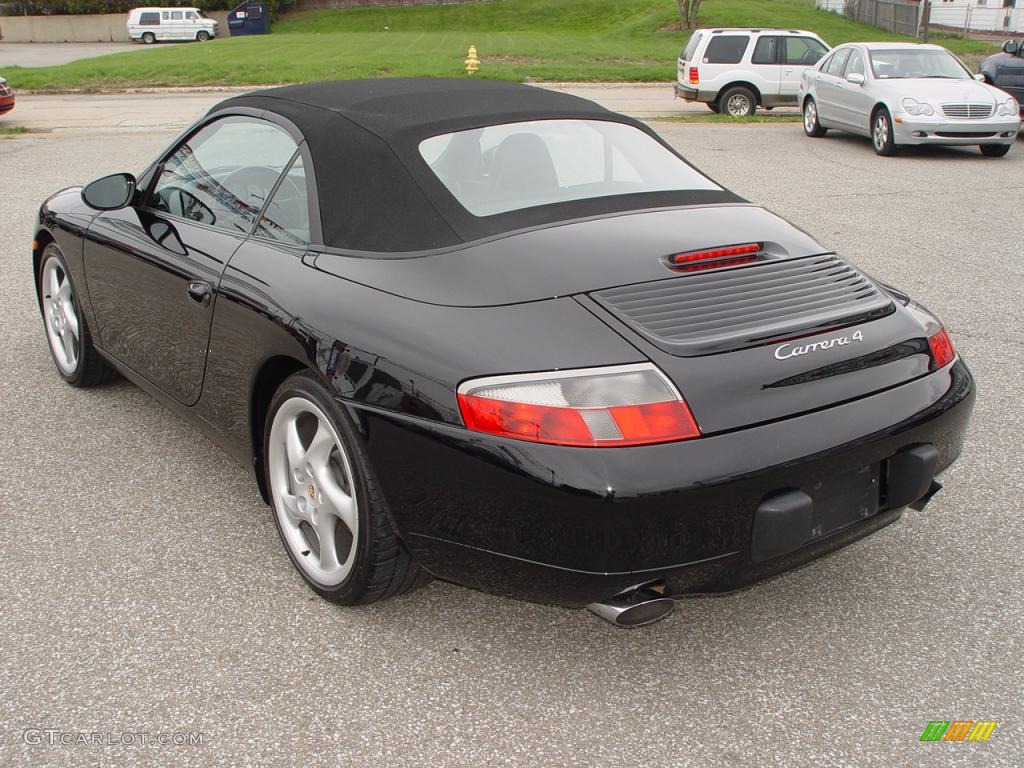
(154, 269)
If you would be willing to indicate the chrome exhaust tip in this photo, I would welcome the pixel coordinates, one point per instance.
(634, 607)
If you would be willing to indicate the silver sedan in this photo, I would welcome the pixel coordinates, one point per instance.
(901, 93)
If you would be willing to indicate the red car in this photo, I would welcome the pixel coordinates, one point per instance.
(6, 97)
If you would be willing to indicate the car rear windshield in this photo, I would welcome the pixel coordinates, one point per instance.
(691, 46)
(726, 49)
(906, 63)
(509, 167)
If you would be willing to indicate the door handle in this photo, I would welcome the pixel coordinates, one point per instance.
(199, 292)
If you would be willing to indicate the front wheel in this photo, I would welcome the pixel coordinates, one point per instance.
(203, 36)
(882, 134)
(71, 346)
(994, 150)
(329, 512)
(812, 126)
(738, 101)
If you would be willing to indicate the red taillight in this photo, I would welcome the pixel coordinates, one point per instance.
(694, 76)
(942, 348)
(600, 407)
(717, 257)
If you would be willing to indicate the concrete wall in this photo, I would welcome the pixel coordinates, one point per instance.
(99, 28)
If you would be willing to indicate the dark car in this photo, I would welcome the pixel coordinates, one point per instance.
(502, 336)
(6, 97)
(1006, 70)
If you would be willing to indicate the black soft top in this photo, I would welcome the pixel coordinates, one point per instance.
(376, 191)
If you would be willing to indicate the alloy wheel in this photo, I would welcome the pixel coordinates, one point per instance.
(313, 491)
(738, 105)
(810, 116)
(881, 133)
(63, 328)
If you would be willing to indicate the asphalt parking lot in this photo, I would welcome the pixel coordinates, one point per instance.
(143, 588)
(54, 54)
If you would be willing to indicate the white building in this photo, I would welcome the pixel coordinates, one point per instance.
(977, 15)
(980, 15)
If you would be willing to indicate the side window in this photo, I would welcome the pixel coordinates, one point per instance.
(855, 63)
(803, 51)
(837, 62)
(691, 46)
(286, 218)
(190, 15)
(224, 173)
(149, 19)
(167, 15)
(766, 51)
(176, 15)
(726, 49)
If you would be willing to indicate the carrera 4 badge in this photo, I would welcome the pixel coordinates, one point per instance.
(787, 351)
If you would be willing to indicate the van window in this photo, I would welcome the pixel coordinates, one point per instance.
(691, 46)
(766, 50)
(151, 19)
(176, 15)
(804, 51)
(189, 15)
(167, 15)
(726, 49)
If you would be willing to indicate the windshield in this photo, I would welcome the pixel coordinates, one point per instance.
(915, 62)
(508, 167)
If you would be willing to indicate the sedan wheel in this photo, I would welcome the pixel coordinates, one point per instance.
(812, 127)
(332, 519)
(71, 346)
(882, 135)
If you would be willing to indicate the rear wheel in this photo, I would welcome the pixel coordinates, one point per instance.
(328, 509)
(203, 36)
(148, 38)
(994, 150)
(738, 101)
(881, 133)
(812, 126)
(71, 346)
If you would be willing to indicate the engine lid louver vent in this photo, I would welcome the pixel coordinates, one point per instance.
(721, 311)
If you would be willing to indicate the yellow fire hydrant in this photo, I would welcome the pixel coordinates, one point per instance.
(472, 61)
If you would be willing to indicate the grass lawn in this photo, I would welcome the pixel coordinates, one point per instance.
(566, 40)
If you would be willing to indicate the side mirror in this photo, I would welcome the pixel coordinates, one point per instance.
(1011, 46)
(109, 193)
(856, 78)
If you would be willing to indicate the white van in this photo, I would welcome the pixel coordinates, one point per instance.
(152, 24)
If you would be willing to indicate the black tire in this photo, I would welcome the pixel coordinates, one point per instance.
(882, 133)
(90, 369)
(812, 125)
(737, 101)
(148, 38)
(203, 36)
(382, 567)
(994, 150)
(713, 106)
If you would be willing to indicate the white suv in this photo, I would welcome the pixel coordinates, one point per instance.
(735, 70)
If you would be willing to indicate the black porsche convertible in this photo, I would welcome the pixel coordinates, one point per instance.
(501, 336)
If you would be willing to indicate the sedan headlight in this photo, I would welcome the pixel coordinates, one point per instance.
(915, 107)
(1009, 107)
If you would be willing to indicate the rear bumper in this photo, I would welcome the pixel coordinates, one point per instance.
(572, 526)
(6, 103)
(689, 93)
(912, 130)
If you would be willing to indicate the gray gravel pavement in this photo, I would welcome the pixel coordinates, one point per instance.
(143, 588)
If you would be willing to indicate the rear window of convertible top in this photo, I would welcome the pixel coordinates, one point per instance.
(501, 168)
